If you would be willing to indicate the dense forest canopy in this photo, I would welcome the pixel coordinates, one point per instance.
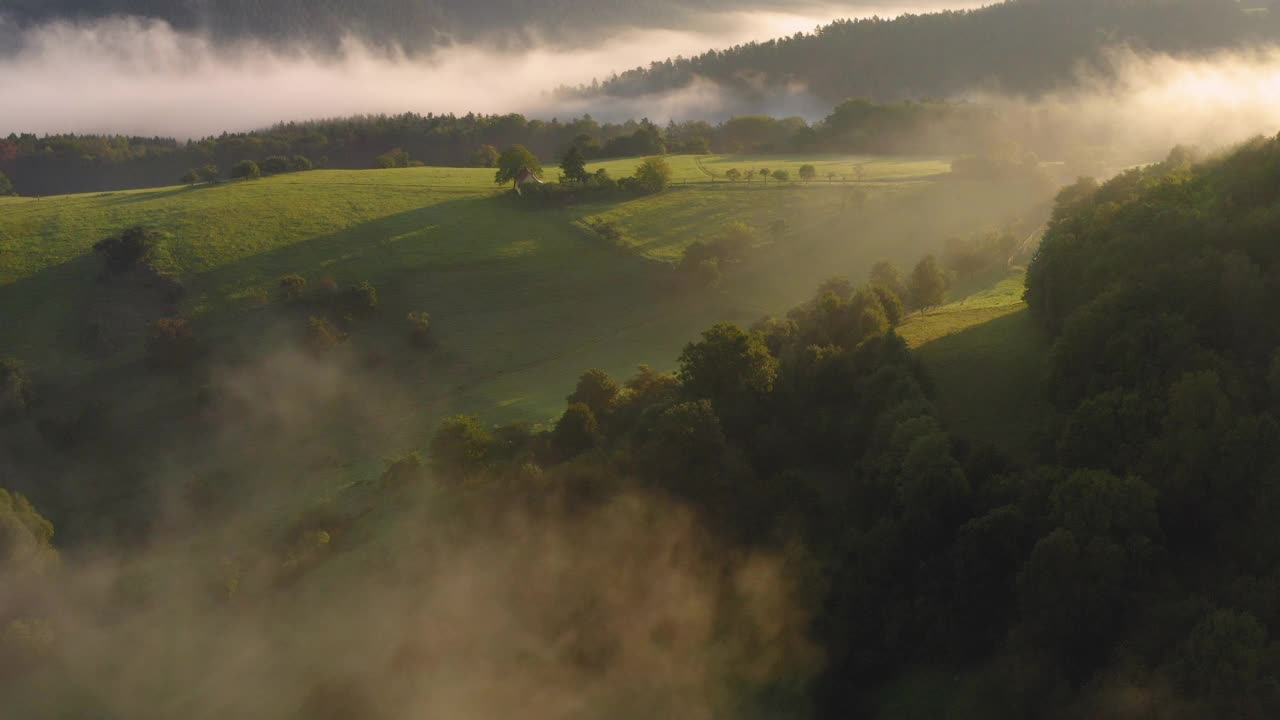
(1019, 46)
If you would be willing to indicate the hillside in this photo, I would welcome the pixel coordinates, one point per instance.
(521, 300)
(1019, 46)
(985, 356)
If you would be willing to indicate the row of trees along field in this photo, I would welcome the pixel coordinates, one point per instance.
(1026, 47)
(55, 164)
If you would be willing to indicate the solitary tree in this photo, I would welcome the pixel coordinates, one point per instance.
(460, 447)
(808, 172)
(887, 275)
(734, 174)
(574, 165)
(512, 161)
(928, 284)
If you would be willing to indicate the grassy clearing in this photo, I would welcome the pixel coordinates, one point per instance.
(985, 356)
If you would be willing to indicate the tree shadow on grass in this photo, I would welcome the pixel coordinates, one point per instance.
(989, 382)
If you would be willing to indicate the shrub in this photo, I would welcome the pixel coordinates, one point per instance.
(700, 263)
(396, 158)
(300, 163)
(133, 247)
(602, 182)
(404, 470)
(781, 175)
(416, 164)
(362, 299)
(246, 170)
(293, 286)
(275, 165)
(597, 391)
(653, 175)
(609, 230)
(732, 244)
(420, 330)
(576, 432)
(460, 447)
(328, 284)
(171, 344)
(16, 392)
(485, 156)
(321, 336)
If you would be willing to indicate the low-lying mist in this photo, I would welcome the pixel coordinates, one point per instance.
(140, 76)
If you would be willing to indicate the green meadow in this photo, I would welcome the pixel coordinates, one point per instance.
(522, 299)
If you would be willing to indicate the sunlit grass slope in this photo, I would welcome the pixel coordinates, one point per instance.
(522, 299)
(986, 356)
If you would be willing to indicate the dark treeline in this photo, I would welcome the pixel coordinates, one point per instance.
(57, 164)
(1020, 46)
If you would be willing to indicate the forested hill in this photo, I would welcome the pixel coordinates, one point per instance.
(1022, 46)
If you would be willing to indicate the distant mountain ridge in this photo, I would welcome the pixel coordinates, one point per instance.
(1018, 46)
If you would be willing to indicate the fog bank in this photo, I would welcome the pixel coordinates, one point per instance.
(139, 76)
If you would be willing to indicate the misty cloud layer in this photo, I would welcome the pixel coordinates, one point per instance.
(139, 76)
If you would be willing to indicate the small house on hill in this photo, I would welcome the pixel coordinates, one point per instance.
(525, 177)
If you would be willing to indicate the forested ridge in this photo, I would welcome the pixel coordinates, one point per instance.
(1019, 46)
(57, 164)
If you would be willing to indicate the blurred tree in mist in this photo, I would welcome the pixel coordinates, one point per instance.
(927, 286)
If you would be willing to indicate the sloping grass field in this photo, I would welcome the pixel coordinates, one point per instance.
(985, 356)
(523, 300)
